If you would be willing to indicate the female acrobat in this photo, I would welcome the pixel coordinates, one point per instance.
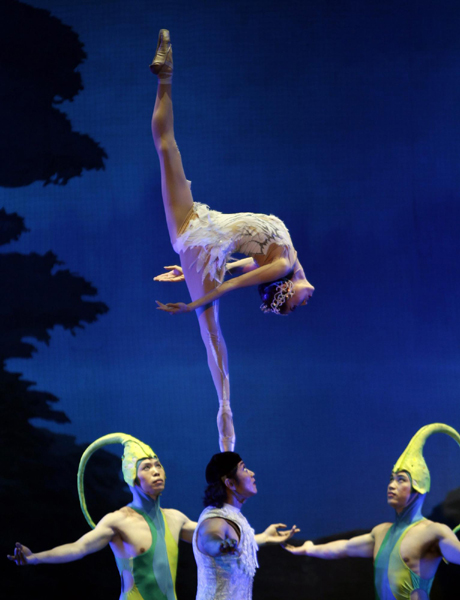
(205, 240)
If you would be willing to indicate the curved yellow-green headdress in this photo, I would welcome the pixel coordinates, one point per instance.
(134, 451)
(412, 460)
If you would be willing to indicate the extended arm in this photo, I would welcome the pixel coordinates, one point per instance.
(91, 542)
(362, 546)
(449, 544)
(275, 270)
(188, 528)
(217, 537)
(272, 535)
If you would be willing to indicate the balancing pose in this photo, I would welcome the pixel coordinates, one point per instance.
(143, 537)
(205, 239)
(406, 553)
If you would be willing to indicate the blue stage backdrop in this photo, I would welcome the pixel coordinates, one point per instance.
(340, 117)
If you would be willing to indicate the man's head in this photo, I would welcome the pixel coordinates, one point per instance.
(227, 476)
(400, 492)
(150, 476)
(134, 451)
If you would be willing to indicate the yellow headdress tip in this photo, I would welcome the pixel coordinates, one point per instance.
(412, 461)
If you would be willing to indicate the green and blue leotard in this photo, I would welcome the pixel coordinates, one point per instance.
(393, 578)
(154, 571)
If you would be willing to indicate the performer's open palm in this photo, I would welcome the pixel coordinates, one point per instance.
(273, 535)
(173, 274)
(299, 550)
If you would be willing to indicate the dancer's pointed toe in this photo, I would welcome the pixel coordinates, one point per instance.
(162, 64)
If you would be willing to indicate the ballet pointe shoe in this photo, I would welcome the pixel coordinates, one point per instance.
(162, 64)
(225, 427)
(227, 443)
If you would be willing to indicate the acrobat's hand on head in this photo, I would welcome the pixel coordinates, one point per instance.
(173, 308)
(22, 555)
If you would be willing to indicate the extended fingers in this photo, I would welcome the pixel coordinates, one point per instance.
(18, 556)
(162, 306)
(169, 308)
(289, 533)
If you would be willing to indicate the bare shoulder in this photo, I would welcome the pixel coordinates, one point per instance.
(122, 515)
(380, 531)
(114, 519)
(179, 524)
(175, 516)
(214, 524)
(436, 530)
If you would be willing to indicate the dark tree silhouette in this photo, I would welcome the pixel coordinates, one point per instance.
(38, 58)
(38, 477)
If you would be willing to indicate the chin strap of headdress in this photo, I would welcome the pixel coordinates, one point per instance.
(412, 461)
(134, 451)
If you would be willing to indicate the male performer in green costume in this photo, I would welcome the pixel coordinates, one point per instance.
(406, 553)
(143, 537)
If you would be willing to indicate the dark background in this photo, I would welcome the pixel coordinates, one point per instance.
(340, 117)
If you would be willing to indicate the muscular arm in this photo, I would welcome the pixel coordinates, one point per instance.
(271, 272)
(91, 542)
(217, 537)
(188, 528)
(360, 546)
(449, 544)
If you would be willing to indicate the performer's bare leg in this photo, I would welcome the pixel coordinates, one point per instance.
(178, 202)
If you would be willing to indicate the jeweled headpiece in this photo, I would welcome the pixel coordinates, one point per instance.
(134, 451)
(284, 291)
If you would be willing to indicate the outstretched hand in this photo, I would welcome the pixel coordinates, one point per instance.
(273, 535)
(175, 273)
(22, 555)
(173, 308)
(304, 549)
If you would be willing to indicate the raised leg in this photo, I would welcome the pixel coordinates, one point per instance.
(177, 197)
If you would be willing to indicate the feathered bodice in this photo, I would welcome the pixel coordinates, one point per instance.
(218, 235)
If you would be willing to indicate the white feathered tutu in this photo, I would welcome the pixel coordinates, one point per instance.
(219, 235)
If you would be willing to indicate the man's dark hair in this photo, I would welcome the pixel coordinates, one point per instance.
(216, 493)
